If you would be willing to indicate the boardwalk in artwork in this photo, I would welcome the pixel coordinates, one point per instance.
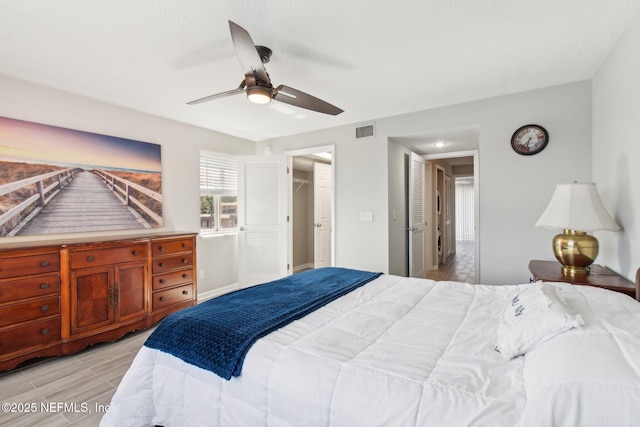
(85, 204)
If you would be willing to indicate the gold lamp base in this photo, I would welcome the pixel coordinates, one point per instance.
(576, 251)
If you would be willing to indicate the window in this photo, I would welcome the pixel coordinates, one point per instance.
(218, 192)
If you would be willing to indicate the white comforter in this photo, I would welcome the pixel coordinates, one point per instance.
(405, 352)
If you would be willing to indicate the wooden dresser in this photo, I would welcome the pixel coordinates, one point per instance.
(63, 296)
(173, 274)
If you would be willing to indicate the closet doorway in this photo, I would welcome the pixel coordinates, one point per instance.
(311, 225)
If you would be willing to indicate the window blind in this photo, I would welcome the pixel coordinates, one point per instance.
(218, 174)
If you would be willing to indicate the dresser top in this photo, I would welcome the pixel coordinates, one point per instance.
(69, 241)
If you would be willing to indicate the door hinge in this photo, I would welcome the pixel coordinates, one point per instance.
(287, 169)
(288, 267)
(287, 218)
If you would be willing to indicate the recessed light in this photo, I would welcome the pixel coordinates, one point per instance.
(439, 144)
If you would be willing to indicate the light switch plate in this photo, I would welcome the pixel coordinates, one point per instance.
(366, 216)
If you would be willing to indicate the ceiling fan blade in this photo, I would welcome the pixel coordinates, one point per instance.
(247, 54)
(239, 89)
(292, 96)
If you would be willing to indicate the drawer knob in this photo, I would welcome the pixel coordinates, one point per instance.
(44, 264)
(136, 253)
(90, 258)
(162, 281)
(44, 331)
(44, 285)
(162, 298)
(185, 292)
(185, 261)
(161, 264)
(161, 248)
(44, 307)
(184, 246)
(185, 276)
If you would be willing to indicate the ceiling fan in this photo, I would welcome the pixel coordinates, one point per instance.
(257, 83)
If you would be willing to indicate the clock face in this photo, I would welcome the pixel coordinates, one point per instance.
(529, 139)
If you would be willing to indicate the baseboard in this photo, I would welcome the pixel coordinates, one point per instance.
(307, 266)
(216, 292)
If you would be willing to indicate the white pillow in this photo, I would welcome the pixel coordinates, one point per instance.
(535, 315)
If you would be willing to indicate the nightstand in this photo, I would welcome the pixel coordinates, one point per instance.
(601, 277)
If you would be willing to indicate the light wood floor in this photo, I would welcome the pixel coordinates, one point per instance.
(68, 390)
(459, 267)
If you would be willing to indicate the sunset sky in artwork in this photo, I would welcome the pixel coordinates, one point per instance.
(29, 142)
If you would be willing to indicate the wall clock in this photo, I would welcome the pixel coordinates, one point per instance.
(529, 140)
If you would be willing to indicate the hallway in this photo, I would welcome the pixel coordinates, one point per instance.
(459, 267)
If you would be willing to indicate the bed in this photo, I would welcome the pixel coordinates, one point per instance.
(397, 351)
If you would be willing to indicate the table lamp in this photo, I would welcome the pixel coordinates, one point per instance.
(576, 208)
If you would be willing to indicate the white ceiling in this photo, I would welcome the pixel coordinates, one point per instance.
(373, 58)
(463, 138)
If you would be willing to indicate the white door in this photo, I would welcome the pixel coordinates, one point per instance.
(262, 219)
(416, 217)
(321, 215)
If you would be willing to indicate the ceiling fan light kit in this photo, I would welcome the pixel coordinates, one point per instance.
(257, 83)
(259, 94)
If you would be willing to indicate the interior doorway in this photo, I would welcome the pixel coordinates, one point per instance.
(448, 143)
(454, 216)
(311, 209)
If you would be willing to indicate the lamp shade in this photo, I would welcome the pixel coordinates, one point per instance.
(576, 206)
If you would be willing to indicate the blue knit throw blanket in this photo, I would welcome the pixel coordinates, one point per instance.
(217, 334)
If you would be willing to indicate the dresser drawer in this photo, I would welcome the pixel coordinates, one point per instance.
(30, 310)
(29, 335)
(172, 262)
(172, 246)
(29, 287)
(107, 256)
(29, 265)
(169, 280)
(172, 296)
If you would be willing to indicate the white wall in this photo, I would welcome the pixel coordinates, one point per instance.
(514, 189)
(616, 151)
(181, 145)
(360, 186)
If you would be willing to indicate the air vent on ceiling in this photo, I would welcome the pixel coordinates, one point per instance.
(365, 131)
